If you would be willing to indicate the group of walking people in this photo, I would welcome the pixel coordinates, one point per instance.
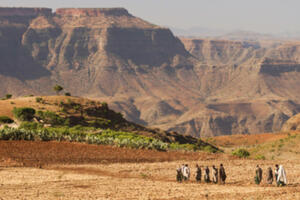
(279, 173)
(218, 175)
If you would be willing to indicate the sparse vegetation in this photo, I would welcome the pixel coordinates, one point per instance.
(92, 122)
(8, 96)
(30, 125)
(5, 120)
(58, 89)
(24, 114)
(260, 157)
(241, 153)
(49, 117)
(39, 99)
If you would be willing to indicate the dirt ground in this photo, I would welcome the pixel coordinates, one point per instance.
(40, 176)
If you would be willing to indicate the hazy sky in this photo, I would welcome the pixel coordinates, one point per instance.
(269, 16)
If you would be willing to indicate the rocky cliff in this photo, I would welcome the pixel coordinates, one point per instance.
(194, 86)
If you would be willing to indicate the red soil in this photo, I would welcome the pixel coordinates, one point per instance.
(38, 154)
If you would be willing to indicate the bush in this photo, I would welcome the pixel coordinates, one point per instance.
(24, 114)
(50, 118)
(8, 96)
(57, 89)
(260, 157)
(5, 120)
(30, 125)
(242, 153)
(209, 149)
(39, 99)
(104, 105)
(68, 94)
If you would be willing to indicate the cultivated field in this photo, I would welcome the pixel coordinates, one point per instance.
(52, 170)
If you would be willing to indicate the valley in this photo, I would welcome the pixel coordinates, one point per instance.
(198, 87)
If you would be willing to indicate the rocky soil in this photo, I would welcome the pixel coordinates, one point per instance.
(150, 176)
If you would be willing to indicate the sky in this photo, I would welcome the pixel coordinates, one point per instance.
(263, 16)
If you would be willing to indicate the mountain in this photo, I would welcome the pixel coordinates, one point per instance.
(199, 87)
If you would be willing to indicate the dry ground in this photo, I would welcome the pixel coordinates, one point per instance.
(94, 176)
(228, 141)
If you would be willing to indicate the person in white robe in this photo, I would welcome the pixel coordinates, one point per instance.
(281, 178)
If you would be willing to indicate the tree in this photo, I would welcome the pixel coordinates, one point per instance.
(58, 89)
(8, 96)
(24, 114)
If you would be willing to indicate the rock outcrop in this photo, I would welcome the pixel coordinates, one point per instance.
(293, 124)
(92, 12)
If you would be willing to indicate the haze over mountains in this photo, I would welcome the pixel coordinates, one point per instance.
(201, 87)
(214, 33)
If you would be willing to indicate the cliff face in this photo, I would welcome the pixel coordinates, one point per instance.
(220, 52)
(92, 12)
(198, 87)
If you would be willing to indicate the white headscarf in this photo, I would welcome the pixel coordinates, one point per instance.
(281, 175)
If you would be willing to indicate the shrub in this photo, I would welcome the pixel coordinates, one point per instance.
(100, 123)
(30, 125)
(8, 96)
(39, 99)
(24, 114)
(209, 149)
(50, 118)
(58, 89)
(5, 120)
(260, 157)
(242, 153)
(104, 105)
(67, 94)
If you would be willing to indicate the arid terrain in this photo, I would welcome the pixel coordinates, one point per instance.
(34, 170)
(200, 87)
(60, 169)
(134, 102)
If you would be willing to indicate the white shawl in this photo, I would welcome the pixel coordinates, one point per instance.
(186, 172)
(281, 175)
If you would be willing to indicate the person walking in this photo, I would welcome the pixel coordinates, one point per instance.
(276, 172)
(215, 174)
(222, 174)
(206, 175)
(198, 173)
(258, 175)
(270, 176)
(179, 175)
(281, 179)
(186, 172)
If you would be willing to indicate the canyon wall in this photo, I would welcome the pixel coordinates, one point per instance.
(199, 87)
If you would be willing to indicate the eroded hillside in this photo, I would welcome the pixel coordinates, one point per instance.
(193, 86)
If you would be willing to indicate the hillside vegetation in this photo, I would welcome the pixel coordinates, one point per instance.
(269, 146)
(81, 120)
